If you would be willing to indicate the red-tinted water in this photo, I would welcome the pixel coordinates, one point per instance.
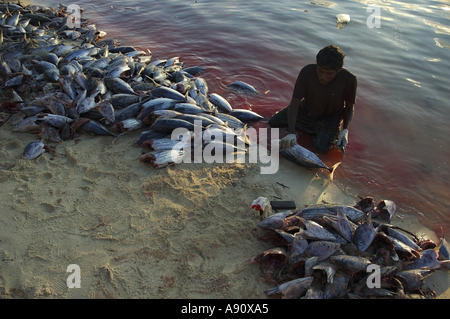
(398, 142)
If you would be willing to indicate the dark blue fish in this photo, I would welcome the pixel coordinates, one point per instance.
(242, 86)
(166, 92)
(303, 157)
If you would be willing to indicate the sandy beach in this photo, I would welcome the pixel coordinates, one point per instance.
(184, 231)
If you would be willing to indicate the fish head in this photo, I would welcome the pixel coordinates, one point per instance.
(363, 236)
(322, 249)
(33, 150)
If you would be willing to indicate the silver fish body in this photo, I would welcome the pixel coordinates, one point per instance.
(159, 159)
(33, 150)
(246, 116)
(221, 103)
(303, 157)
(320, 210)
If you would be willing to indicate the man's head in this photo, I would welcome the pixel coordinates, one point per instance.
(330, 61)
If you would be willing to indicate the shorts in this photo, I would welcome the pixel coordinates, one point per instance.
(324, 132)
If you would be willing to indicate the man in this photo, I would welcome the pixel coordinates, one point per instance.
(323, 99)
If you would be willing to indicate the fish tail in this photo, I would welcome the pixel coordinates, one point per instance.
(332, 170)
(115, 137)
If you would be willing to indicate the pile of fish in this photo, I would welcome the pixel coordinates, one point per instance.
(58, 82)
(339, 252)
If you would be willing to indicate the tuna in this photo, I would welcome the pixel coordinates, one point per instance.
(303, 157)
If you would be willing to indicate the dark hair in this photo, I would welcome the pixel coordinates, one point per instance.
(331, 57)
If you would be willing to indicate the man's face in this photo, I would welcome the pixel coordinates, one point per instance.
(326, 74)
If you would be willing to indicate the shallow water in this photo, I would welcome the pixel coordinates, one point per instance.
(398, 142)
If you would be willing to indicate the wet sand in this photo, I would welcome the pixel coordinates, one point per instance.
(185, 231)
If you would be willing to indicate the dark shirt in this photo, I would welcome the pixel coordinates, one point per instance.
(323, 101)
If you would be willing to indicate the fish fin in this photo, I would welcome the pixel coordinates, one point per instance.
(262, 94)
(332, 170)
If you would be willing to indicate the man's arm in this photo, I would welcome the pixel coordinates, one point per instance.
(347, 116)
(291, 139)
(292, 114)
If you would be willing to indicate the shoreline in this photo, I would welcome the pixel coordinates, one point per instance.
(184, 231)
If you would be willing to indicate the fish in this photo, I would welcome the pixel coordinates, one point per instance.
(444, 252)
(328, 267)
(303, 157)
(316, 231)
(126, 126)
(221, 103)
(298, 246)
(413, 280)
(293, 289)
(390, 231)
(313, 292)
(43, 66)
(118, 85)
(276, 221)
(246, 116)
(385, 209)
(201, 85)
(343, 226)
(351, 264)
(231, 121)
(92, 127)
(86, 104)
(202, 101)
(160, 144)
(55, 120)
(320, 210)
(428, 259)
(242, 87)
(17, 80)
(337, 288)
(122, 100)
(188, 108)
(148, 135)
(33, 150)
(272, 261)
(193, 70)
(384, 248)
(165, 92)
(168, 125)
(321, 249)
(364, 235)
(106, 110)
(163, 158)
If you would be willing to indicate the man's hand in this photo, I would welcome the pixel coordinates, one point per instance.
(342, 139)
(288, 141)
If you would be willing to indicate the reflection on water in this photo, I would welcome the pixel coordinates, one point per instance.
(398, 143)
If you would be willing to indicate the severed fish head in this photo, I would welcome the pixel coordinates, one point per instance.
(364, 235)
(321, 249)
(33, 150)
